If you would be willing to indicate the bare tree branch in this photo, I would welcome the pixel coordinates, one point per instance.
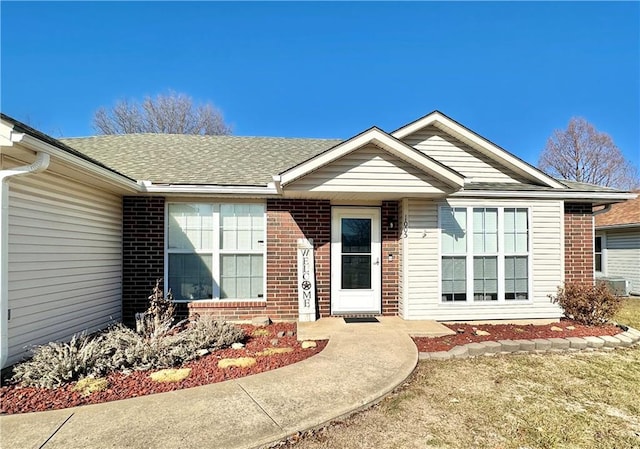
(582, 153)
(173, 113)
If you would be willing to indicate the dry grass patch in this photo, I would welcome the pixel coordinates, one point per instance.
(579, 400)
(630, 312)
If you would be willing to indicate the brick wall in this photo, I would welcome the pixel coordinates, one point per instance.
(390, 273)
(142, 252)
(288, 221)
(578, 242)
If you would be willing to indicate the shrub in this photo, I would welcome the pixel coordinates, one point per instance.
(119, 349)
(586, 303)
(56, 363)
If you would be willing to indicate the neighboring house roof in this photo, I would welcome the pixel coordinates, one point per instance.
(194, 159)
(621, 215)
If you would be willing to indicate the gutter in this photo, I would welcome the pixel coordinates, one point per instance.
(40, 164)
(586, 197)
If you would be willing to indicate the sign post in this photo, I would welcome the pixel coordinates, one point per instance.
(306, 281)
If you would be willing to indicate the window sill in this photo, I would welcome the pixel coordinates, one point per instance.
(225, 304)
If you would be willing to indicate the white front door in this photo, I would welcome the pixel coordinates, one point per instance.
(355, 260)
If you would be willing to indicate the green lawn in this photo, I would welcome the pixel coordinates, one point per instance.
(586, 400)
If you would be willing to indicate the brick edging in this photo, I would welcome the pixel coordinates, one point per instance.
(538, 345)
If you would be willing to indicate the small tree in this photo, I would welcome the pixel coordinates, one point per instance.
(173, 113)
(582, 153)
(159, 317)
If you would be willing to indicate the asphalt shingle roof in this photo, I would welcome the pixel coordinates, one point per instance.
(194, 159)
(626, 213)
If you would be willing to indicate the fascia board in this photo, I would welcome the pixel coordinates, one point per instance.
(148, 187)
(450, 126)
(387, 143)
(563, 195)
(106, 175)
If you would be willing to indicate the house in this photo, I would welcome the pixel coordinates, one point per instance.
(617, 243)
(430, 221)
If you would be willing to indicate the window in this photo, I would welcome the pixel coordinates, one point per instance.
(454, 249)
(215, 251)
(496, 255)
(597, 253)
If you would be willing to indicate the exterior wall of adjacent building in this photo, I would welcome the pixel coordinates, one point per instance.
(65, 259)
(621, 255)
(421, 296)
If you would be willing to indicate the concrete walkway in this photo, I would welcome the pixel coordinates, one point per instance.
(362, 363)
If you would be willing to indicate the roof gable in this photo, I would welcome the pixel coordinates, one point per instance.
(485, 147)
(386, 143)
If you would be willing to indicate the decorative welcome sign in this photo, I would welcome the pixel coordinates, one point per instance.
(306, 281)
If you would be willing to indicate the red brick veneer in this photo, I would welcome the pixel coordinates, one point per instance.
(142, 252)
(288, 221)
(578, 242)
(390, 245)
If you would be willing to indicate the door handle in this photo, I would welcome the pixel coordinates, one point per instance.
(377, 262)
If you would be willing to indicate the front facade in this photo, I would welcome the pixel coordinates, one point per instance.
(430, 221)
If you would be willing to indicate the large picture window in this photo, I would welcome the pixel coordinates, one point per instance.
(215, 251)
(490, 261)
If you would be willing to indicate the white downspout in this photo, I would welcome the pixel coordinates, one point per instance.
(41, 163)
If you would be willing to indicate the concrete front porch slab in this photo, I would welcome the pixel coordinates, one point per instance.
(324, 328)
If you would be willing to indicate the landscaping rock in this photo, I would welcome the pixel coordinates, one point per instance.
(241, 362)
(542, 344)
(556, 329)
(274, 351)
(202, 352)
(291, 334)
(90, 385)
(577, 343)
(274, 342)
(170, 375)
(611, 342)
(308, 344)
(509, 345)
(260, 333)
(423, 356)
(480, 332)
(559, 343)
(280, 334)
(261, 321)
(237, 346)
(570, 328)
(594, 342)
(635, 338)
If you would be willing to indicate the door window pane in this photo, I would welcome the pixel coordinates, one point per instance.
(190, 276)
(356, 272)
(356, 235)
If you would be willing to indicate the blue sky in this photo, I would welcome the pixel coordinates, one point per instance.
(513, 72)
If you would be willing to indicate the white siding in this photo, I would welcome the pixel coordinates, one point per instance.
(422, 259)
(460, 157)
(623, 256)
(65, 260)
(369, 169)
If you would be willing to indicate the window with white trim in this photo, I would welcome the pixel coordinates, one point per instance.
(496, 255)
(597, 253)
(215, 251)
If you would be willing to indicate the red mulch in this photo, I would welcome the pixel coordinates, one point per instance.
(16, 399)
(465, 333)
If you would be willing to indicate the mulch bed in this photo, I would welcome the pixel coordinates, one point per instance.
(465, 333)
(16, 399)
